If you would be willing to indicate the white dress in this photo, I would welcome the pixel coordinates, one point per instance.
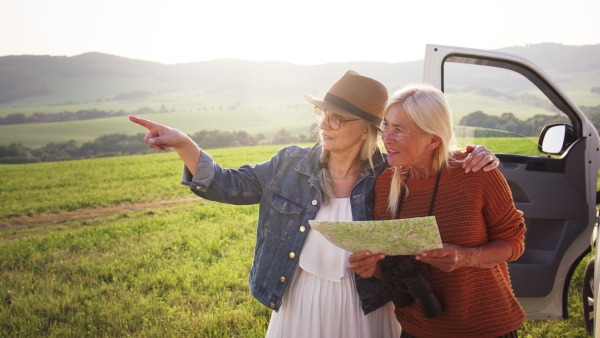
(321, 300)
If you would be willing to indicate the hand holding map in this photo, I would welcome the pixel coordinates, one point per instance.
(409, 236)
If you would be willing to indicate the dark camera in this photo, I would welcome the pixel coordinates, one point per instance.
(407, 283)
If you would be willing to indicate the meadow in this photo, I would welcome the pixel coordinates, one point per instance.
(116, 247)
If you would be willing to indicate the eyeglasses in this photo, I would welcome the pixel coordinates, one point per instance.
(334, 121)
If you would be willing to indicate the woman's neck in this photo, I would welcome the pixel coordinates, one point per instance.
(415, 173)
(344, 166)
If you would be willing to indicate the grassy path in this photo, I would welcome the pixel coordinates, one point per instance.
(59, 220)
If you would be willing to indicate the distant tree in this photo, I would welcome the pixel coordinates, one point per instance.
(479, 119)
(121, 144)
(86, 114)
(14, 150)
(17, 118)
(222, 139)
(284, 137)
(302, 139)
(509, 122)
(16, 153)
(56, 152)
(117, 144)
(244, 138)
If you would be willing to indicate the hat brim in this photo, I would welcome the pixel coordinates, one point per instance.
(333, 108)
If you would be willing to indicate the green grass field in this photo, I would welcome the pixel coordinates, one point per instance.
(114, 247)
(33, 189)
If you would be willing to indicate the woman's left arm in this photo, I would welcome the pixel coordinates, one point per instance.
(452, 257)
(505, 231)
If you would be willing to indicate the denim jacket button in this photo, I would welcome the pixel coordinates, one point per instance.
(302, 228)
(272, 305)
(314, 202)
(282, 279)
(292, 255)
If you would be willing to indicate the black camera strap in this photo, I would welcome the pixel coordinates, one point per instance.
(431, 205)
(431, 306)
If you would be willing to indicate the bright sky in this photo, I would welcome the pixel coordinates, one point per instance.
(303, 32)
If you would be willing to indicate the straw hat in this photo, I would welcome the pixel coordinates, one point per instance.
(356, 96)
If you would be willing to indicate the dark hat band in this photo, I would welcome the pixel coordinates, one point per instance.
(354, 110)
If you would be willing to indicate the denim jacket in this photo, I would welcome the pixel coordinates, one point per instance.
(289, 194)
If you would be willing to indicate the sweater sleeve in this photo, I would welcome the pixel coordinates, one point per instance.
(503, 220)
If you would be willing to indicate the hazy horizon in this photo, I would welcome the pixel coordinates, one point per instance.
(315, 32)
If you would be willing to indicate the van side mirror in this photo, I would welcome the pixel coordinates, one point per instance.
(556, 138)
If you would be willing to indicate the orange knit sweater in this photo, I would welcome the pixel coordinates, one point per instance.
(470, 210)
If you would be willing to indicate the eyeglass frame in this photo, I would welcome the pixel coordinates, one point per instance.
(326, 114)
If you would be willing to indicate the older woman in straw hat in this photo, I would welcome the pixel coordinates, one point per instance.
(479, 225)
(296, 272)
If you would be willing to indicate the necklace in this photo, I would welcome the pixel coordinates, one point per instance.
(344, 177)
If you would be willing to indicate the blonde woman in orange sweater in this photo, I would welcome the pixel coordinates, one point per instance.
(481, 229)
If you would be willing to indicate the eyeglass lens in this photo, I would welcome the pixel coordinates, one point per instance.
(333, 120)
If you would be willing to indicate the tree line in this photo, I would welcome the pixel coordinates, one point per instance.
(123, 145)
(509, 122)
(86, 114)
(530, 127)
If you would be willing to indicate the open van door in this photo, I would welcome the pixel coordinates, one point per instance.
(550, 156)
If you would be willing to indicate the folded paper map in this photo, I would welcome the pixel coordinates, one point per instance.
(409, 236)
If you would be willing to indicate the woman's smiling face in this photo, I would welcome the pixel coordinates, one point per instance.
(406, 144)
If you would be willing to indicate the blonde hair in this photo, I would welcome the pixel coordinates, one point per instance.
(367, 150)
(428, 108)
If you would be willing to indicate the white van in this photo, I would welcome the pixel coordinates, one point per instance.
(552, 169)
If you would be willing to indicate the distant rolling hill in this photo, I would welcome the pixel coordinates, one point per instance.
(261, 97)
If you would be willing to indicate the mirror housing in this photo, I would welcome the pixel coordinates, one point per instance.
(556, 138)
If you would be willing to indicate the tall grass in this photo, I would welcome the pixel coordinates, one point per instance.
(177, 271)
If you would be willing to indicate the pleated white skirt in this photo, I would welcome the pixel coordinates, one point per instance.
(315, 307)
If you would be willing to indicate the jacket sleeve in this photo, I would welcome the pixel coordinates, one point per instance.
(244, 185)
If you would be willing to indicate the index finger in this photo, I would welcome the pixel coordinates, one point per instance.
(143, 122)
